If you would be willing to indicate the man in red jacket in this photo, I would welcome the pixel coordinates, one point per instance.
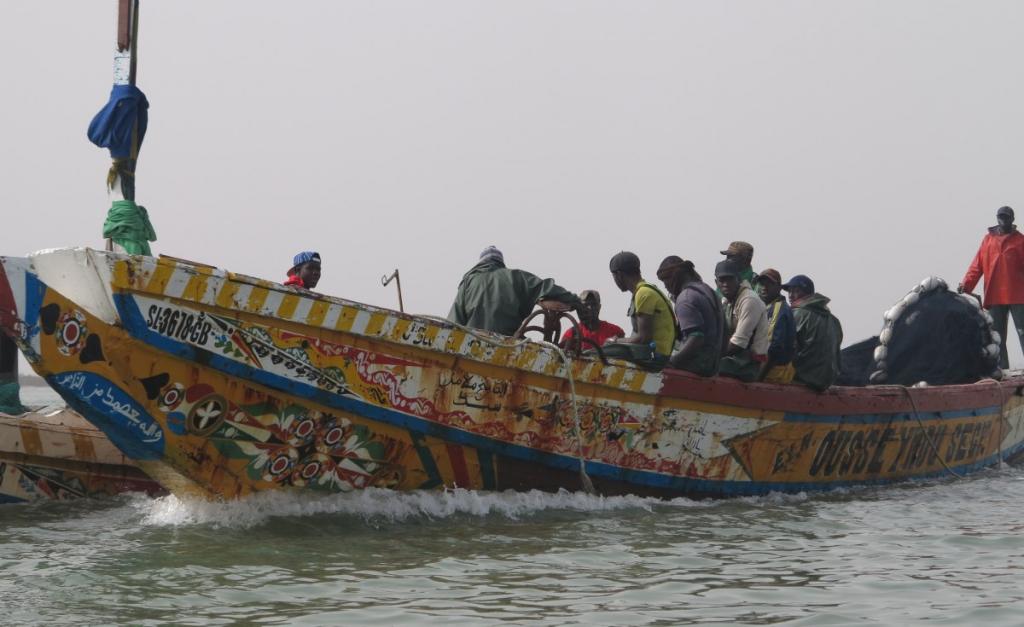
(1000, 260)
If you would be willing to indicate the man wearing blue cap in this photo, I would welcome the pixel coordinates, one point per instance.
(495, 298)
(818, 335)
(305, 271)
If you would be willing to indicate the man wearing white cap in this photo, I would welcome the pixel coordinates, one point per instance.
(495, 298)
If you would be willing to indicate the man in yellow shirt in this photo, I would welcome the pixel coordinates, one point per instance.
(650, 311)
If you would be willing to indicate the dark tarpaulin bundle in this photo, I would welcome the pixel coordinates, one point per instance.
(932, 335)
(111, 128)
(857, 362)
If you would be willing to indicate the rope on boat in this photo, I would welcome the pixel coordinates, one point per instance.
(588, 485)
(1002, 402)
(928, 438)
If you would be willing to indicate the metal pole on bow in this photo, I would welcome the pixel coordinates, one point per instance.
(387, 279)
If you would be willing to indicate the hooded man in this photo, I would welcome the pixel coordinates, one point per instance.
(495, 298)
(818, 335)
(1000, 259)
(305, 270)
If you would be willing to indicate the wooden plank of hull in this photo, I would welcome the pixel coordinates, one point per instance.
(59, 455)
(221, 384)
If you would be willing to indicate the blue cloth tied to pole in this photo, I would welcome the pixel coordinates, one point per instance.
(112, 127)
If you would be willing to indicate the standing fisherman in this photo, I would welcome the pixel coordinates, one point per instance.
(495, 298)
(1000, 259)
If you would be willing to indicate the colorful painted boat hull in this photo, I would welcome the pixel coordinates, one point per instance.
(220, 384)
(59, 455)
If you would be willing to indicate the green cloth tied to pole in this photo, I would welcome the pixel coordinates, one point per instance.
(128, 225)
(10, 399)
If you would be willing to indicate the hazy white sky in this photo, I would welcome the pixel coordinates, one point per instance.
(866, 144)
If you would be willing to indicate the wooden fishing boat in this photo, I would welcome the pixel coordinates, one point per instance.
(221, 384)
(57, 454)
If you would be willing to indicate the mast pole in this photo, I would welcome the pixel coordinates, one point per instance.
(121, 178)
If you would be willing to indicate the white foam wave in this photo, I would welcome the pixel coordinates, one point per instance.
(378, 504)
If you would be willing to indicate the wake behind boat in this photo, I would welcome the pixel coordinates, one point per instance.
(221, 384)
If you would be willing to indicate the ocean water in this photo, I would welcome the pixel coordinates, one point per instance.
(946, 552)
(39, 395)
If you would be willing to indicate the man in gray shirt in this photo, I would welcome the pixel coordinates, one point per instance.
(698, 316)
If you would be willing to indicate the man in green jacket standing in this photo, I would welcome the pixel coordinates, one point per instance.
(495, 298)
(818, 335)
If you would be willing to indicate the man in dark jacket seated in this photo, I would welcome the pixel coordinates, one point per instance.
(495, 298)
(818, 335)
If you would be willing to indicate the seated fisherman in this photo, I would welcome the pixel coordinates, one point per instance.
(742, 254)
(698, 316)
(305, 271)
(495, 298)
(781, 329)
(818, 335)
(591, 325)
(747, 323)
(650, 311)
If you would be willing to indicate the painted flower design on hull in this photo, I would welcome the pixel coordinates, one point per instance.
(285, 443)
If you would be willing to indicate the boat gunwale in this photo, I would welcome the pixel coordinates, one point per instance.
(669, 383)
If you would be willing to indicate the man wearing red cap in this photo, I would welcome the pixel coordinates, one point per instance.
(1000, 259)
